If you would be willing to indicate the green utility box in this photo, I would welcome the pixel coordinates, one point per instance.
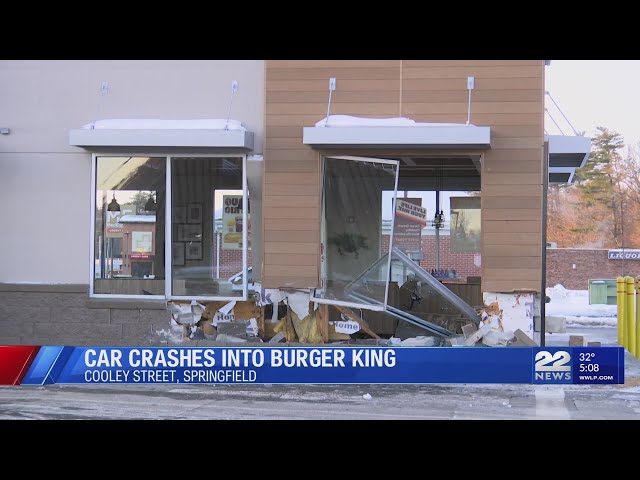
(602, 291)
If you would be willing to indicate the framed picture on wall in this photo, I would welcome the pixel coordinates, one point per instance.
(194, 251)
(177, 254)
(194, 213)
(188, 232)
(179, 214)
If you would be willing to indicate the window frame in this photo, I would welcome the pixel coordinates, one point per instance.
(168, 238)
(323, 257)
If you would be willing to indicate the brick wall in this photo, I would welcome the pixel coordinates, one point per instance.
(588, 264)
(462, 263)
(230, 260)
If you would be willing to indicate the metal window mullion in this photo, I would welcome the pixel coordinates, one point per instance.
(245, 227)
(168, 224)
(393, 219)
(92, 229)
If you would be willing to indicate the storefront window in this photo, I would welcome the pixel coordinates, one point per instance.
(129, 226)
(201, 253)
(209, 227)
(352, 272)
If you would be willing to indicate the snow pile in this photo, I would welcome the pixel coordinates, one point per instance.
(574, 305)
(349, 121)
(156, 124)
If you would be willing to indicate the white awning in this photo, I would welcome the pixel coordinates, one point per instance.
(217, 133)
(343, 131)
(566, 153)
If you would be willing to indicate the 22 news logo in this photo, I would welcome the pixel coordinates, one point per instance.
(552, 366)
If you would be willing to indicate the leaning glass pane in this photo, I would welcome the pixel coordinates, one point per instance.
(129, 226)
(208, 222)
(353, 215)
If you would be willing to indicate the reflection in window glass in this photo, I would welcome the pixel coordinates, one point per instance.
(129, 226)
(209, 220)
(352, 197)
(465, 224)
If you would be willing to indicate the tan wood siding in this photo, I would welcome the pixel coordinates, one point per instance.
(290, 259)
(322, 85)
(349, 73)
(527, 274)
(505, 251)
(508, 97)
(485, 119)
(532, 261)
(297, 235)
(275, 189)
(339, 96)
(480, 72)
(286, 179)
(511, 202)
(511, 179)
(512, 214)
(461, 95)
(510, 285)
(287, 224)
(292, 247)
(469, 63)
(296, 96)
(508, 226)
(420, 84)
(510, 190)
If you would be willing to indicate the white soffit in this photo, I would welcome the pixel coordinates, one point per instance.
(566, 154)
(568, 150)
(345, 131)
(215, 133)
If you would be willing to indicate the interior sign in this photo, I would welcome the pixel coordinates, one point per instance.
(412, 212)
(626, 254)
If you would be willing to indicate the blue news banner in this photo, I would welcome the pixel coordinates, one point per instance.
(325, 365)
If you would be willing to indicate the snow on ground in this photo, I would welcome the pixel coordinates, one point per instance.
(574, 305)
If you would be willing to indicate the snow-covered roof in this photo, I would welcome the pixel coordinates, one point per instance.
(137, 219)
(350, 121)
(156, 124)
(149, 132)
(397, 132)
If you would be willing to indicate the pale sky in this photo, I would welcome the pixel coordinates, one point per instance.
(595, 93)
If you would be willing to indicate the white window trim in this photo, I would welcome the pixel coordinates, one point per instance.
(168, 229)
(364, 306)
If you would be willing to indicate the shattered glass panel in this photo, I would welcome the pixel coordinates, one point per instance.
(428, 298)
(422, 297)
(352, 238)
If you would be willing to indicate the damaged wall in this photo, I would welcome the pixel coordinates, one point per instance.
(508, 97)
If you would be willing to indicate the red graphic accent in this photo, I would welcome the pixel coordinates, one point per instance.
(15, 362)
(413, 218)
(140, 256)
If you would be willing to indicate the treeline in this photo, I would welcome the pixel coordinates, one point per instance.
(600, 209)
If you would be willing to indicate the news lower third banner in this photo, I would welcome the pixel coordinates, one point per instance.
(26, 365)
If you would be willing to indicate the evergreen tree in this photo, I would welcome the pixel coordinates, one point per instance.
(601, 181)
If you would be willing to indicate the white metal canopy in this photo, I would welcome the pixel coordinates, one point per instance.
(566, 154)
(216, 133)
(347, 131)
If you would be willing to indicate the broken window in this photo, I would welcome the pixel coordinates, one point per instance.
(352, 240)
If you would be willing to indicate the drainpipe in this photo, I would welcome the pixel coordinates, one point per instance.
(543, 279)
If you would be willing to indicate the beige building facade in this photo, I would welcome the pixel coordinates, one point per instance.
(293, 172)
